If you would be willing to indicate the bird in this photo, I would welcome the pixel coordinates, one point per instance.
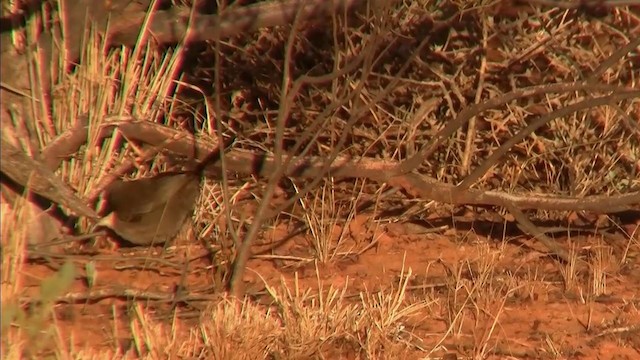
(150, 211)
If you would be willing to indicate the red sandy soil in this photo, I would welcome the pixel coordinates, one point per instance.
(538, 314)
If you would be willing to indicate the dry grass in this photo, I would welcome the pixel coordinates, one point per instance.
(264, 90)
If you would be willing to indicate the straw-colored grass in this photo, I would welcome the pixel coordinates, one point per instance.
(262, 88)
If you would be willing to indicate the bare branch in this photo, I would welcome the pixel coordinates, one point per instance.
(36, 177)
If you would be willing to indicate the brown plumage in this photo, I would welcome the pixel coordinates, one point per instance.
(151, 211)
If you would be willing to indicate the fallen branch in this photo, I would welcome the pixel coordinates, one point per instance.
(171, 26)
(423, 187)
(126, 20)
(418, 186)
(128, 294)
(34, 176)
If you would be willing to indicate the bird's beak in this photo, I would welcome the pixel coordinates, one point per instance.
(108, 221)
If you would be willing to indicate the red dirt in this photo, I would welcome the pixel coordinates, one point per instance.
(538, 314)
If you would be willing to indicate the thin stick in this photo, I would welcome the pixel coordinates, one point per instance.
(541, 121)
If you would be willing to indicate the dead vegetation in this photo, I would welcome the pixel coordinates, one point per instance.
(394, 178)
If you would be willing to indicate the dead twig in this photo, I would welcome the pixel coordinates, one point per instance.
(129, 294)
(536, 124)
(382, 171)
(33, 175)
(464, 116)
(584, 3)
(423, 187)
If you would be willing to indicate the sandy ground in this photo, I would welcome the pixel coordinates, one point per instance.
(510, 299)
